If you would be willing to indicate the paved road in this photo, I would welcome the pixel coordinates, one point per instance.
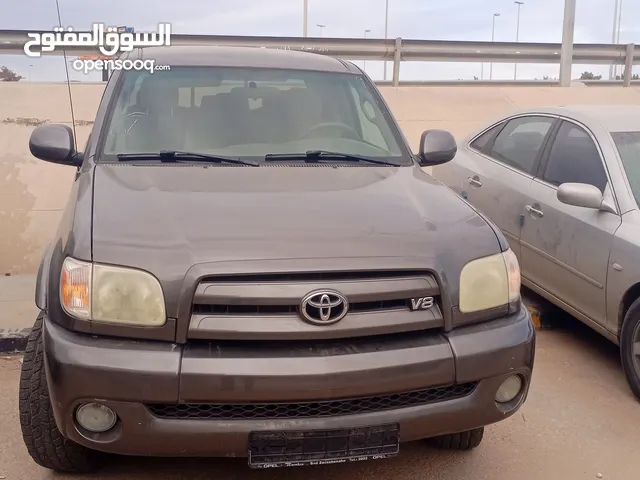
(580, 421)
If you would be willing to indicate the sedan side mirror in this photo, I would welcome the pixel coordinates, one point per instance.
(583, 195)
(54, 143)
(436, 147)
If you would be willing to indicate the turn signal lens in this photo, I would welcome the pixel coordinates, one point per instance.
(75, 284)
(513, 272)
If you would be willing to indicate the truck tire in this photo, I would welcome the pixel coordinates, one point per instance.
(629, 335)
(459, 441)
(44, 442)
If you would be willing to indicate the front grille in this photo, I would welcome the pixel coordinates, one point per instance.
(328, 276)
(356, 307)
(231, 295)
(268, 305)
(319, 409)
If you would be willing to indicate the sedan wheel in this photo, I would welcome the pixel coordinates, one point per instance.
(630, 347)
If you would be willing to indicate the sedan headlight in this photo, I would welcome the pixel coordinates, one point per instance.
(489, 282)
(104, 293)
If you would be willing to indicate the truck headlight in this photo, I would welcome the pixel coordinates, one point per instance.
(104, 293)
(489, 282)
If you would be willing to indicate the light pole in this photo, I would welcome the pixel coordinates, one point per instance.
(305, 18)
(321, 27)
(614, 34)
(30, 72)
(515, 66)
(365, 36)
(618, 32)
(566, 52)
(386, 31)
(619, 22)
(493, 37)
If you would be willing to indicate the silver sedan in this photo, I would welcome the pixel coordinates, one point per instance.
(563, 184)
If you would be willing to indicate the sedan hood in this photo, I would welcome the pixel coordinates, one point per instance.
(166, 219)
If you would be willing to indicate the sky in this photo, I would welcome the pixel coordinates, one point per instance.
(540, 21)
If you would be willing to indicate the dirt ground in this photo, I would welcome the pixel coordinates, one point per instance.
(580, 422)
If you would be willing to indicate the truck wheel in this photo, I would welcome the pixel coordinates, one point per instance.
(459, 441)
(44, 442)
(630, 347)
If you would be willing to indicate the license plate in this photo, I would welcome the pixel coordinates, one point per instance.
(321, 447)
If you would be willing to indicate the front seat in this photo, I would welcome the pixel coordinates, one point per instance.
(159, 129)
(222, 121)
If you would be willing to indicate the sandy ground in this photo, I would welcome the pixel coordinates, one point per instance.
(580, 421)
(17, 307)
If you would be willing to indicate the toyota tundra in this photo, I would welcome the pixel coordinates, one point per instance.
(253, 263)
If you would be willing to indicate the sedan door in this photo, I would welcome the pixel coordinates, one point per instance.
(565, 249)
(495, 169)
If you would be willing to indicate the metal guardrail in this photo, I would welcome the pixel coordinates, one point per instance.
(394, 50)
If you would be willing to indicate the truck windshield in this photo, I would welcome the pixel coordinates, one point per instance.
(628, 144)
(250, 113)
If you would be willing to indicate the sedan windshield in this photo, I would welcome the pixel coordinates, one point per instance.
(250, 114)
(628, 144)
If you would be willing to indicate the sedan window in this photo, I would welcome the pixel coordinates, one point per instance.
(482, 142)
(628, 144)
(519, 143)
(574, 157)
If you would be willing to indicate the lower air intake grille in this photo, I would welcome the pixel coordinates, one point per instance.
(330, 408)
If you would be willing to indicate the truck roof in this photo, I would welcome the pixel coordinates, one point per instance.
(243, 57)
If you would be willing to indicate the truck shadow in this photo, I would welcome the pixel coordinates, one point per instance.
(557, 320)
(416, 461)
(579, 351)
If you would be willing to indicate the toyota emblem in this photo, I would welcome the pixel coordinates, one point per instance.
(324, 307)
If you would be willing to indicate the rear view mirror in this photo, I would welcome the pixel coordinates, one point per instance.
(583, 195)
(369, 111)
(436, 147)
(54, 143)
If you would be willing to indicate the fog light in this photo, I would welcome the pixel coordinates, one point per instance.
(509, 389)
(95, 417)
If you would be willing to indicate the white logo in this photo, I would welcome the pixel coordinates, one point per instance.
(324, 307)
(109, 40)
(422, 303)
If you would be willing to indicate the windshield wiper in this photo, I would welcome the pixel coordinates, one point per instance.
(177, 155)
(312, 156)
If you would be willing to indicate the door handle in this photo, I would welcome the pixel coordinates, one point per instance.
(535, 211)
(475, 181)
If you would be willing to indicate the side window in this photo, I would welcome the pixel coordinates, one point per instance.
(574, 157)
(485, 139)
(127, 104)
(520, 141)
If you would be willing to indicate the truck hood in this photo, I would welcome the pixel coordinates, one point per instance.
(167, 219)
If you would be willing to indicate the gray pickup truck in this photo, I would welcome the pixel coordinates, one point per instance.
(253, 263)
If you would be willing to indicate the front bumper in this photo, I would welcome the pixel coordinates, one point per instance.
(129, 375)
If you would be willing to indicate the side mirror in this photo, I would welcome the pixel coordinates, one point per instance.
(583, 195)
(436, 147)
(54, 143)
